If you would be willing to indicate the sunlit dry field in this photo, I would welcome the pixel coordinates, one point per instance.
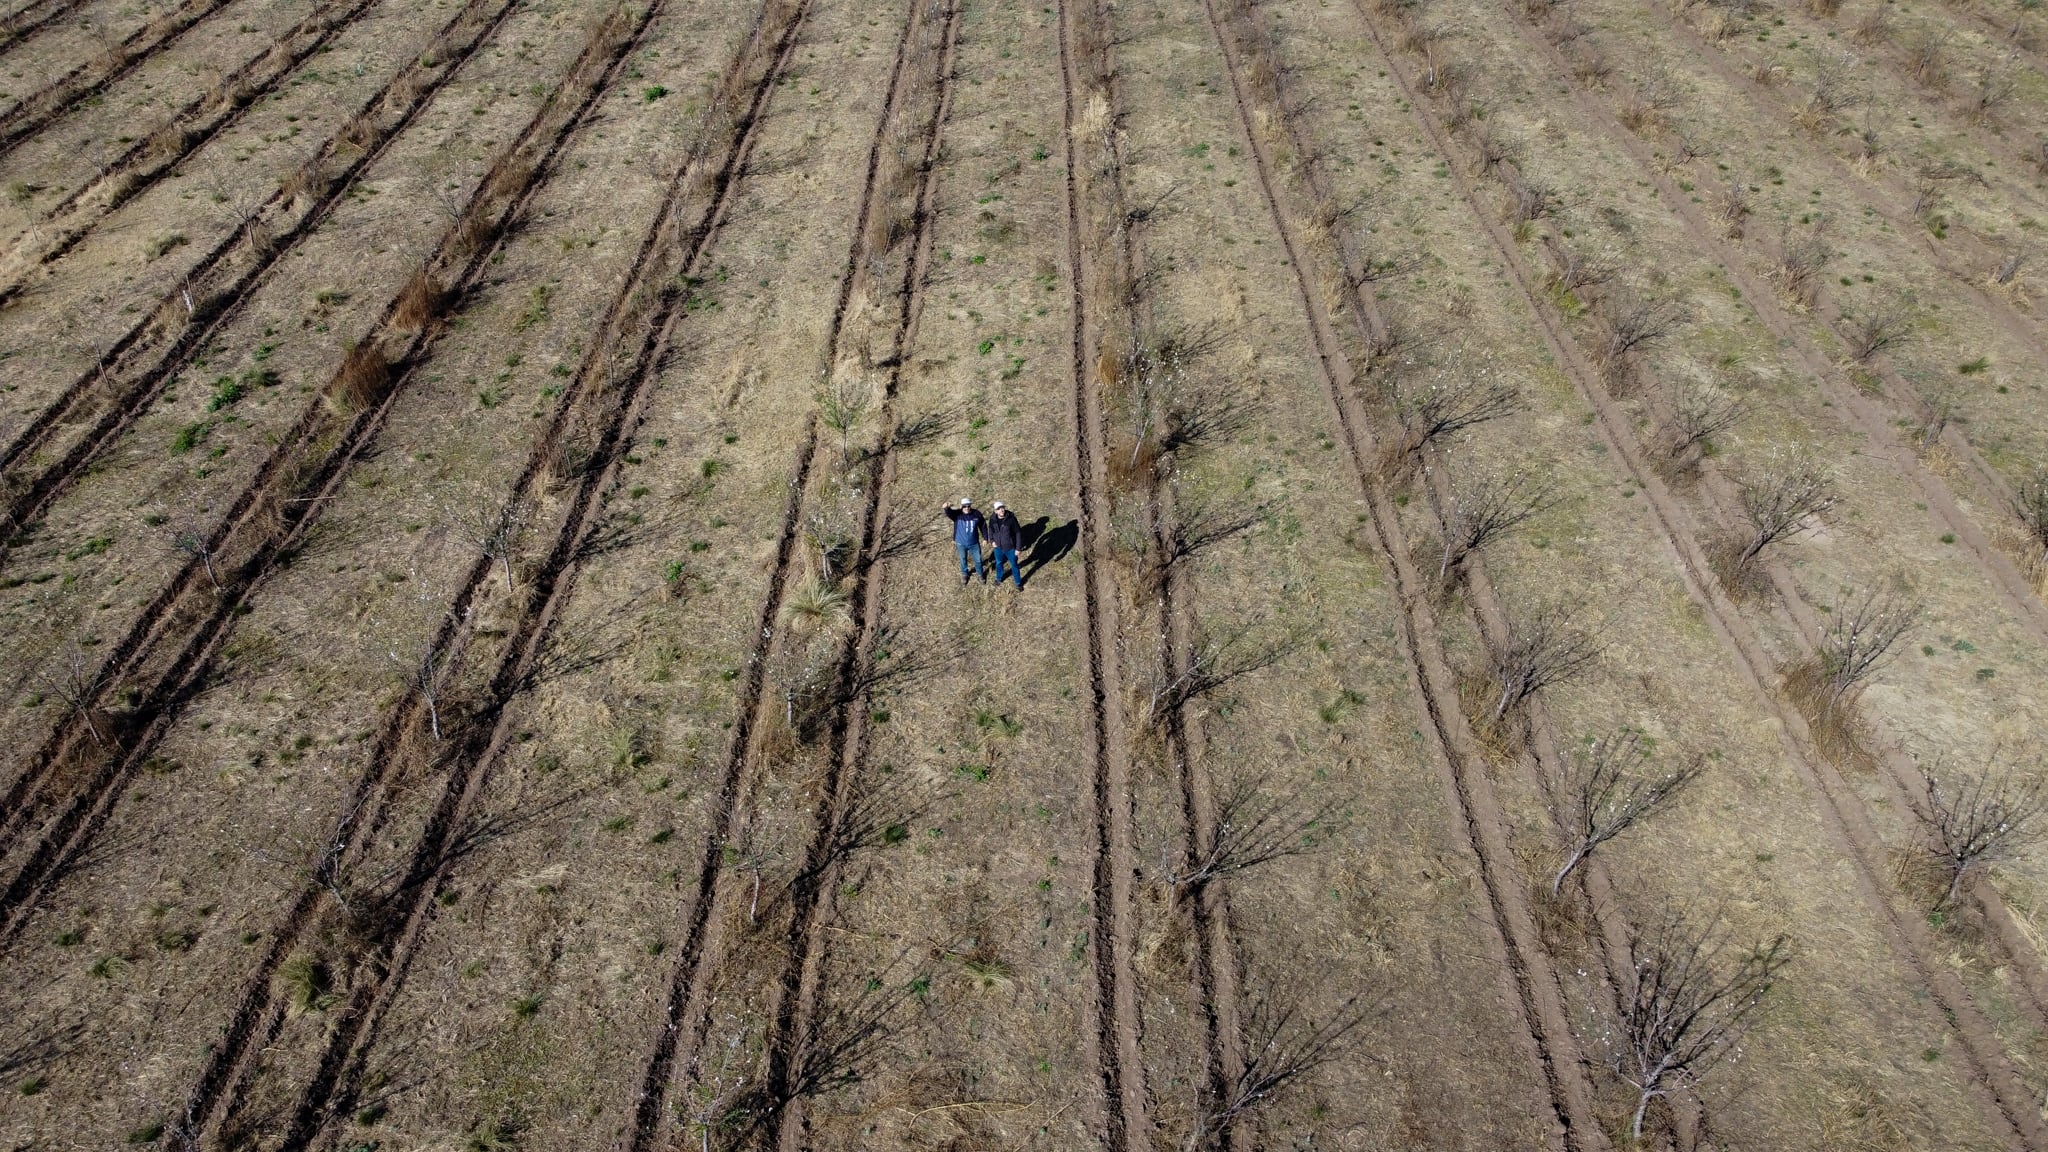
(1532, 631)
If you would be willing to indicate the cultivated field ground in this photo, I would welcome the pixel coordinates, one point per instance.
(1535, 632)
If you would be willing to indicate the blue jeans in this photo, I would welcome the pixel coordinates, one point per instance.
(1001, 556)
(970, 548)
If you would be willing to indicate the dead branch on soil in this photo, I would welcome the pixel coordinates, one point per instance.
(1604, 789)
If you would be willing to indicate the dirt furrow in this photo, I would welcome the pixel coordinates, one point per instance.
(282, 502)
(922, 72)
(1536, 985)
(33, 17)
(611, 392)
(1089, 138)
(1910, 939)
(796, 1009)
(157, 154)
(134, 371)
(35, 112)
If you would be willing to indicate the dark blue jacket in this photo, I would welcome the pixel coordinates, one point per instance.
(968, 525)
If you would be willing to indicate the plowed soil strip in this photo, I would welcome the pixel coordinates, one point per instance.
(39, 109)
(281, 503)
(601, 408)
(138, 366)
(2006, 1096)
(795, 990)
(794, 1012)
(1535, 983)
(1117, 1018)
(33, 17)
(189, 129)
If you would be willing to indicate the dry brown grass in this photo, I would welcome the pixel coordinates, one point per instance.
(364, 377)
(1837, 724)
(421, 304)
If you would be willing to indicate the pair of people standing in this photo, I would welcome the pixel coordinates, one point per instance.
(1000, 529)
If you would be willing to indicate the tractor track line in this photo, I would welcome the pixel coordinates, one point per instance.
(252, 523)
(1118, 1022)
(33, 17)
(157, 154)
(485, 733)
(1553, 1048)
(799, 995)
(1482, 604)
(168, 352)
(1214, 971)
(37, 110)
(2026, 959)
(685, 1005)
(2004, 1099)
(798, 998)
(1896, 391)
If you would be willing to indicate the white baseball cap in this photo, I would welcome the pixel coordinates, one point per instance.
(964, 501)
(999, 503)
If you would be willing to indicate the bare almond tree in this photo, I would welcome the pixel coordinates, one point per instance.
(421, 674)
(77, 682)
(1605, 789)
(1636, 321)
(1685, 1005)
(194, 544)
(1200, 525)
(1778, 502)
(1574, 271)
(1283, 1044)
(1980, 818)
(1484, 510)
(1218, 660)
(1832, 92)
(2030, 505)
(494, 528)
(1878, 330)
(1254, 828)
(1443, 408)
(1860, 637)
(1547, 648)
(1698, 414)
(1994, 85)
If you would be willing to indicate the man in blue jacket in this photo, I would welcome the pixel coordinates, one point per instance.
(967, 533)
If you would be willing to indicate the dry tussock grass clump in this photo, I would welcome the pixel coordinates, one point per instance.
(420, 304)
(364, 376)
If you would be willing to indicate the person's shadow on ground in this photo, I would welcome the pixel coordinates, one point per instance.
(1044, 545)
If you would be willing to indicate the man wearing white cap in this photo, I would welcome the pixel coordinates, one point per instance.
(1003, 531)
(968, 529)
